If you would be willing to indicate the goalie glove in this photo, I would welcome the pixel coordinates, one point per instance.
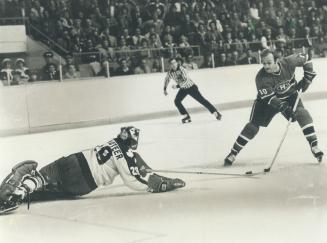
(157, 183)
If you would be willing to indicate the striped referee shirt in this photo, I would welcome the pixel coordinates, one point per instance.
(180, 76)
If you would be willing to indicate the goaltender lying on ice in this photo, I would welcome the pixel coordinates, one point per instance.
(81, 173)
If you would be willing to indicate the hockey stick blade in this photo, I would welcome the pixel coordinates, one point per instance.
(247, 174)
(266, 170)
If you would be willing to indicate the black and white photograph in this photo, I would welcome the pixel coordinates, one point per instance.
(163, 121)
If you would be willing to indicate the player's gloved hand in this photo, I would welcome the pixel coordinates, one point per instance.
(287, 110)
(175, 86)
(306, 80)
(303, 84)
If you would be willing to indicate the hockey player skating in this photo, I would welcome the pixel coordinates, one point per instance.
(186, 87)
(81, 173)
(277, 93)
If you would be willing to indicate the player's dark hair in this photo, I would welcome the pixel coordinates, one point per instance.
(265, 53)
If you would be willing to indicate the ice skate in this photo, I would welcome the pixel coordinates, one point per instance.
(14, 200)
(186, 119)
(7, 206)
(317, 153)
(217, 115)
(229, 160)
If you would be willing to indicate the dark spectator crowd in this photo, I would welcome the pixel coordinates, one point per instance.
(130, 32)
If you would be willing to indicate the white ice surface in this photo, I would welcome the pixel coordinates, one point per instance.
(286, 205)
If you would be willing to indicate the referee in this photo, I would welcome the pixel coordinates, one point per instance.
(186, 87)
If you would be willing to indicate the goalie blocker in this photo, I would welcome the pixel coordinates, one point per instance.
(81, 173)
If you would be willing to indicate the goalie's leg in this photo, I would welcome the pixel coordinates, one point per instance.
(69, 176)
(66, 177)
(23, 180)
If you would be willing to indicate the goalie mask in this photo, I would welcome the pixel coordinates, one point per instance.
(130, 135)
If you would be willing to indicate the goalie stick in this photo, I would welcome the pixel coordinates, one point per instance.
(247, 174)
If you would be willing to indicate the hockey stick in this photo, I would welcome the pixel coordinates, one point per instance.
(201, 173)
(266, 170)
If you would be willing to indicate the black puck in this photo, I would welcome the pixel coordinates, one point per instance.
(248, 172)
(266, 170)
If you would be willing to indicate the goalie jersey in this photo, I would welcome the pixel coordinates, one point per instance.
(282, 84)
(111, 159)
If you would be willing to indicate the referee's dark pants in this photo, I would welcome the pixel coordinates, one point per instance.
(194, 92)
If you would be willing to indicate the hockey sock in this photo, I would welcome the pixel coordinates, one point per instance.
(240, 142)
(310, 134)
(248, 133)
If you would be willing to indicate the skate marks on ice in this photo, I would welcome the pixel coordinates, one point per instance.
(25, 227)
(202, 210)
(95, 216)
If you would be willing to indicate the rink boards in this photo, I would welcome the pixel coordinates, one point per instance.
(47, 106)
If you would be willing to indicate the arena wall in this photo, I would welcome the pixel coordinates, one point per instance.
(53, 105)
(8, 33)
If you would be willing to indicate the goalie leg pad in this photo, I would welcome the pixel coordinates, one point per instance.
(157, 183)
(6, 190)
(19, 171)
(10, 184)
